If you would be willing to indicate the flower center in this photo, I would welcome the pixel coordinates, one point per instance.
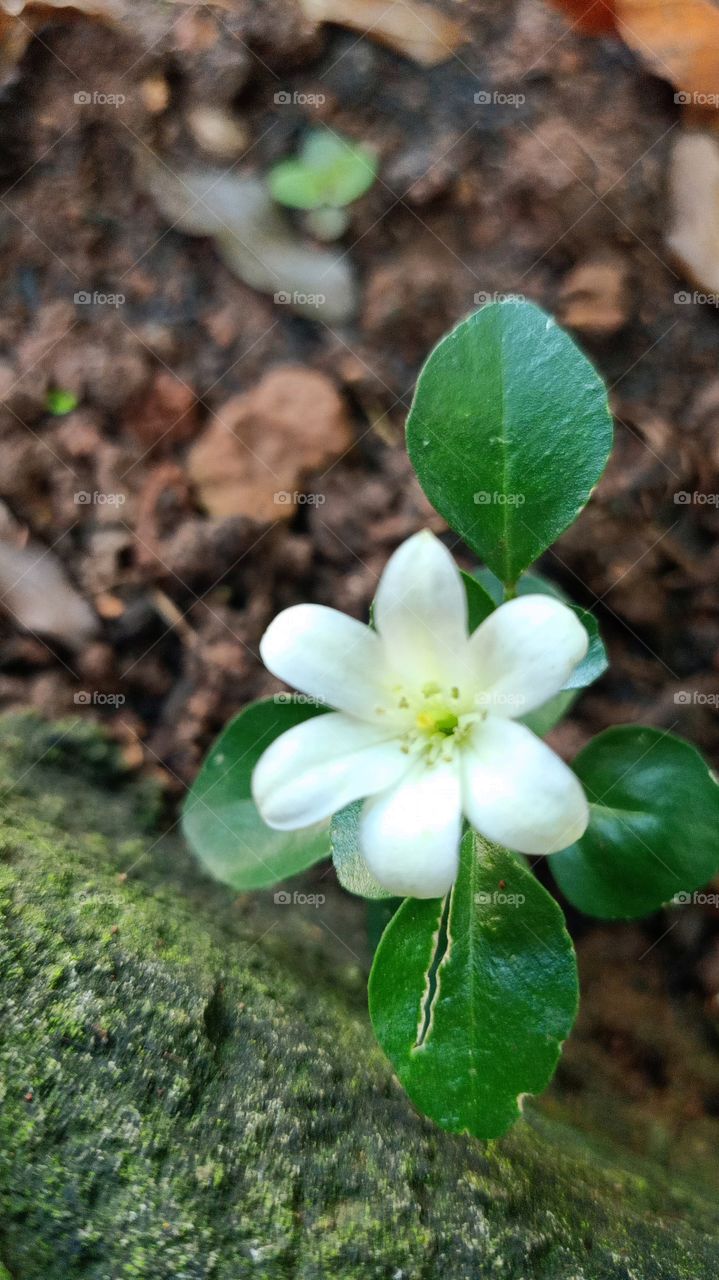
(438, 720)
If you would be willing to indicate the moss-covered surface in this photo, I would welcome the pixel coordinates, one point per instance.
(189, 1087)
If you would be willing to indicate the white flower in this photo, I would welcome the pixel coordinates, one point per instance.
(426, 722)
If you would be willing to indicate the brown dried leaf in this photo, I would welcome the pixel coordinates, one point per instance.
(36, 592)
(594, 298)
(108, 9)
(251, 460)
(419, 31)
(18, 18)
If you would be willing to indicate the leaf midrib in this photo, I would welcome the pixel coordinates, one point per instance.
(504, 449)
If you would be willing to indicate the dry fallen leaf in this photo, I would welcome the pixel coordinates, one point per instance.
(108, 9)
(593, 297)
(677, 39)
(18, 18)
(419, 31)
(252, 459)
(37, 594)
(694, 208)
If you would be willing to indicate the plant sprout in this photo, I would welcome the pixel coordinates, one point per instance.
(59, 402)
(413, 755)
(329, 173)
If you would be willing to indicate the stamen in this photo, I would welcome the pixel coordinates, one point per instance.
(430, 689)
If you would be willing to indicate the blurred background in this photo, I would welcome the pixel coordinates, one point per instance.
(231, 232)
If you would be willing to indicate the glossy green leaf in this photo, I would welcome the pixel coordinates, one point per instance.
(509, 431)
(352, 870)
(472, 1012)
(654, 827)
(479, 602)
(220, 819)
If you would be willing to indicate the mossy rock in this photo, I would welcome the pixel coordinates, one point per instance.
(189, 1087)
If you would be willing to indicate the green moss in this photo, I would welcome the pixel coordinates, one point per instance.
(190, 1089)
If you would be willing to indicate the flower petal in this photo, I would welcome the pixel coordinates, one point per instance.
(420, 610)
(524, 652)
(409, 835)
(517, 792)
(329, 656)
(319, 766)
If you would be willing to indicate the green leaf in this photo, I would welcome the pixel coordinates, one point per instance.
(543, 719)
(595, 662)
(329, 171)
(471, 998)
(509, 431)
(352, 870)
(220, 819)
(654, 826)
(479, 602)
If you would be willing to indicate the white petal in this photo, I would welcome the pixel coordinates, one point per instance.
(517, 792)
(524, 652)
(409, 836)
(327, 655)
(421, 610)
(319, 766)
